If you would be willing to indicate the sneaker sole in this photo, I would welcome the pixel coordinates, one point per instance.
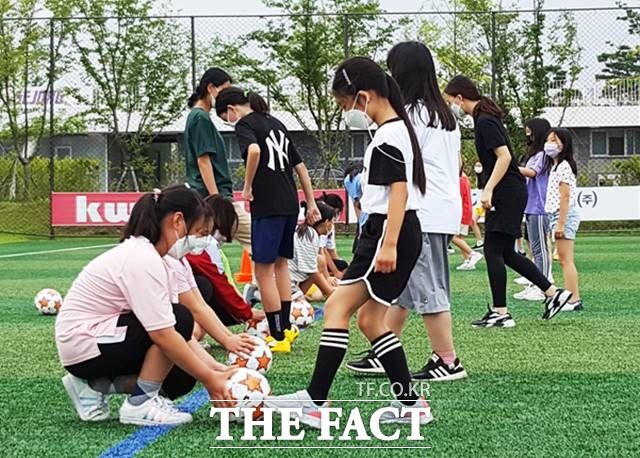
(447, 378)
(373, 370)
(75, 399)
(305, 418)
(424, 420)
(507, 324)
(141, 422)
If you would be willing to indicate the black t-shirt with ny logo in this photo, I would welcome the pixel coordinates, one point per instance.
(274, 189)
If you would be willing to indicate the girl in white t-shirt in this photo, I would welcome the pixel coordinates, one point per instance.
(387, 250)
(303, 267)
(120, 329)
(564, 219)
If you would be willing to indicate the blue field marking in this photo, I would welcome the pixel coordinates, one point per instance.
(143, 437)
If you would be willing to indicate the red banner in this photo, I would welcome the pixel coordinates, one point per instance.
(114, 208)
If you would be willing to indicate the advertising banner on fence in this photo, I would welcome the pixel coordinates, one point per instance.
(114, 208)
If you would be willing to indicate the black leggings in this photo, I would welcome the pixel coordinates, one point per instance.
(206, 289)
(499, 249)
(126, 357)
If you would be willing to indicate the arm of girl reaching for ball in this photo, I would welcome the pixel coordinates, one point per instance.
(388, 255)
(565, 191)
(313, 214)
(207, 318)
(253, 159)
(499, 170)
(174, 347)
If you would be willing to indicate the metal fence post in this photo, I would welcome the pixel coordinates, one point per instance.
(345, 27)
(51, 129)
(193, 53)
(493, 55)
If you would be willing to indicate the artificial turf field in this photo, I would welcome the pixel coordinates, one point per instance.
(568, 387)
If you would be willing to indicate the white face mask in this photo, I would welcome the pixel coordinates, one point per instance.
(357, 119)
(551, 150)
(229, 122)
(181, 247)
(478, 169)
(219, 237)
(458, 112)
(199, 244)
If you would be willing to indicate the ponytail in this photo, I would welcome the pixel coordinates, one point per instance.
(193, 98)
(147, 214)
(487, 106)
(236, 96)
(214, 76)
(397, 102)
(327, 213)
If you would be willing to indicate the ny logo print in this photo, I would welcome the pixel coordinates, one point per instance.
(279, 147)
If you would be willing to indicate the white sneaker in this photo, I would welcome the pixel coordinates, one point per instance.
(425, 416)
(534, 294)
(520, 296)
(156, 411)
(310, 411)
(474, 259)
(522, 281)
(551, 279)
(90, 404)
(466, 266)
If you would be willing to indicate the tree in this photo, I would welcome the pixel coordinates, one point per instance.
(622, 66)
(24, 65)
(139, 66)
(294, 58)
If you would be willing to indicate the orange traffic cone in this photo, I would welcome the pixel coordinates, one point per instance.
(245, 275)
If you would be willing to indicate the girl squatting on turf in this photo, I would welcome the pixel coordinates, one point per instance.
(121, 329)
(504, 198)
(388, 247)
(270, 158)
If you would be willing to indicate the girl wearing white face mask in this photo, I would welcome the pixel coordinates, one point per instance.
(504, 198)
(388, 247)
(561, 206)
(121, 317)
(210, 270)
(270, 158)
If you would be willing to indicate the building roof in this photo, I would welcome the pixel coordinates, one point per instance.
(594, 117)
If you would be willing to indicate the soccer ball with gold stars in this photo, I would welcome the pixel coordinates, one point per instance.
(249, 388)
(258, 360)
(302, 313)
(48, 301)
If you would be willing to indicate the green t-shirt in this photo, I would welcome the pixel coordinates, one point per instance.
(201, 137)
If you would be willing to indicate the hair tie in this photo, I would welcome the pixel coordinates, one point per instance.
(346, 77)
(187, 185)
(156, 194)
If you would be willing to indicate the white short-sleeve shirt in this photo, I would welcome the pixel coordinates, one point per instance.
(561, 173)
(305, 255)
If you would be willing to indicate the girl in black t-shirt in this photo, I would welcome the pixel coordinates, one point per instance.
(270, 158)
(504, 198)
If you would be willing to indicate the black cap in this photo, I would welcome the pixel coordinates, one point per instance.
(215, 76)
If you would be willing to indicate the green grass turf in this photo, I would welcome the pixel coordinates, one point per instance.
(563, 388)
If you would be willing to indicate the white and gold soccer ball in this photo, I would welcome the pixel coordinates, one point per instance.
(48, 301)
(258, 328)
(259, 359)
(249, 388)
(302, 313)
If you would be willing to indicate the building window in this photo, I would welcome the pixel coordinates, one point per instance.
(615, 142)
(61, 152)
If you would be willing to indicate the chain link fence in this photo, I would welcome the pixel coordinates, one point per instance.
(99, 104)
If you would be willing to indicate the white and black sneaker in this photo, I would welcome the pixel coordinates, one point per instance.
(553, 304)
(367, 364)
(493, 319)
(479, 246)
(437, 371)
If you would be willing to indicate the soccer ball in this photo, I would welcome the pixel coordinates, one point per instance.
(302, 313)
(48, 301)
(259, 329)
(259, 360)
(249, 388)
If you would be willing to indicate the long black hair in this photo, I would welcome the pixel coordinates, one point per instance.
(539, 128)
(462, 85)
(363, 74)
(564, 135)
(333, 200)
(352, 170)
(152, 207)
(215, 76)
(327, 213)
(237, 96)
(411, 64)
(223, 214)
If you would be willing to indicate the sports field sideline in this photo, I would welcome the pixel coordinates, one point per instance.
(567, 387)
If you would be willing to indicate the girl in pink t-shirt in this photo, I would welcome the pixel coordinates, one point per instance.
(121, 330)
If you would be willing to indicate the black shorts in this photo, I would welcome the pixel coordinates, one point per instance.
(341, 264)
(508, 211)
(126, 357)
(385, 288)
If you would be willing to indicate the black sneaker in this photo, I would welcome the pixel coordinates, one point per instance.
(479, 246)
(437, 371)
(493, 319)
(553, 304)
(368, 364)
